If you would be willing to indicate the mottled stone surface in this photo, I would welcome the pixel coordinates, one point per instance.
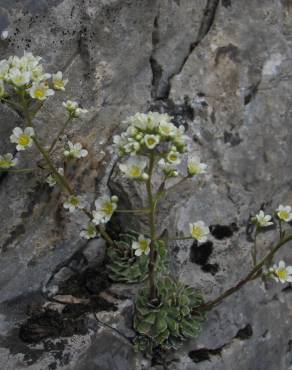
(223, 69)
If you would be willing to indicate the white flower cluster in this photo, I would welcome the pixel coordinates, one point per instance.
(284, 213)
(27, 74)
(73, 109)
(154, 133)
(104, 209)
(146, 131)
(22, 79)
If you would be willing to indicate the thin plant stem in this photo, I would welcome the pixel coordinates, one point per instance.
(132, 210)
(254, 248)
(61, 179)
(13, 104)
(20, 170)
(255, 272)
(281, 231)
(152, 255)
(61, 131)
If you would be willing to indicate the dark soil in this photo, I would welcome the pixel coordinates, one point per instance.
(73, 319)
(51, 324)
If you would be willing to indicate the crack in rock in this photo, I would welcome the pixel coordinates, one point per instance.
(155, 66)
(206, 354)
(205, 26)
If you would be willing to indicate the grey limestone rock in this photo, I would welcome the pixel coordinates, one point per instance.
(223, 70)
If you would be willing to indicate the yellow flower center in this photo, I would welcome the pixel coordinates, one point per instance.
(4, 163)
(135, 171)
(39, 93)
(58, 84)
(194, 169)
(19, 79)
(165, 130)
(197, 232)
(282, 273)
(23, 140)
(143, 245)
(91, 230)
(151, 141)
(173, 157)
(107, 208)
(284, 215)
(74, 201)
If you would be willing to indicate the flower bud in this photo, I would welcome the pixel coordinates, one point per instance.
(145, 176)
(114, 199)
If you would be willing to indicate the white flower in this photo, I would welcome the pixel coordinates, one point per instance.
(167, 129)
(195, 167)
(73, 108)
(284, 213)
(132, 146)
(14, 61)
(75, 151)
(142, 246)
(80, 112)
(147, 122)
(143, 121)
(51, 179)
(139, 120)
(7, 161)
(282, 273)
(38, 75)
(180, 138)
(167, 168)
(40, 91)
(132, 131)
(89, 232)
(74, 202)
(199, 231)
(151, 141)
(105, 207)
(133, 167)
(262, 220)
(23, 139)
(28, 61)
(70, 105)
(155, 119)
(4, 35)
(58, 82)
(19, 78)
(173, 157)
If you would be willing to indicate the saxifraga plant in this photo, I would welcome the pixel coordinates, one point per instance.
(126, 267)
(166, 311)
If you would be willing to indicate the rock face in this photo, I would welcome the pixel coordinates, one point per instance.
(222, 69)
